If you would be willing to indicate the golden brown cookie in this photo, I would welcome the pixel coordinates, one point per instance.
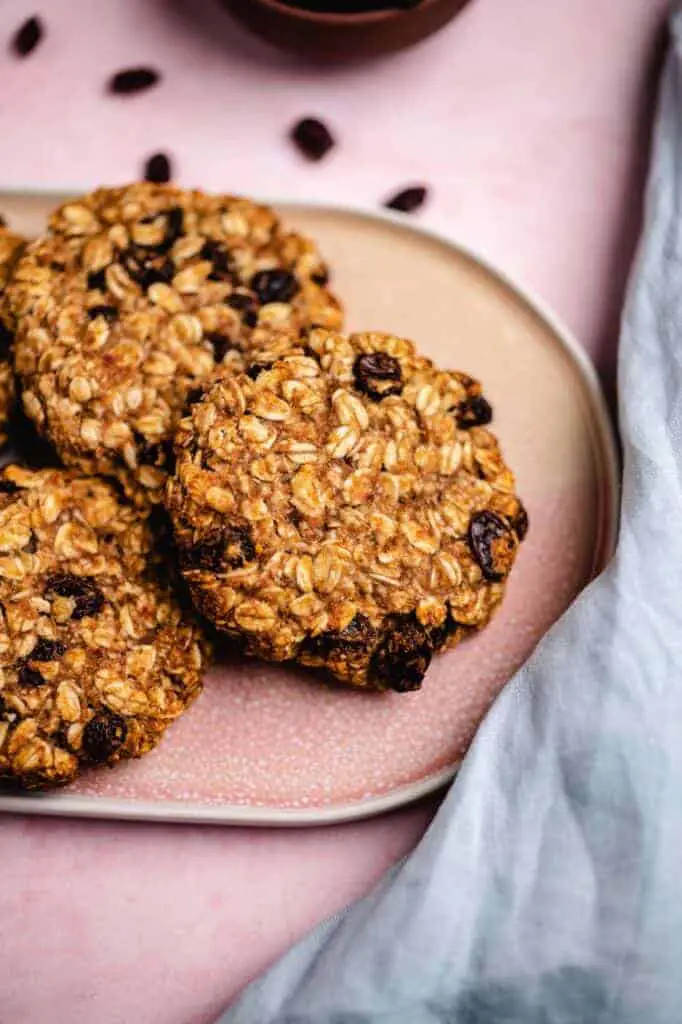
(132, 301)
(97, 657)
(11, 246)
(344, 505)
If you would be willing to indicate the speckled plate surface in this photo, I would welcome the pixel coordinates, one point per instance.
(265, 745)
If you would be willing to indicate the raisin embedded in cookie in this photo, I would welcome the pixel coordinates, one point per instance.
(97, 657)
(133, 300)
(11, 246)
(344, 505)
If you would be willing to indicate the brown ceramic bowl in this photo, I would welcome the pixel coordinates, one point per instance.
(326, 35)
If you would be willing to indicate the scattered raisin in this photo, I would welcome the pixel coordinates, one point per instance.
(320, 277)
(55, 265)
(133, 80)
(89, 599)
(312, 137)
(358, 635)
(254, 371)
(520, 522)
(30, 676)
(146, 268)
(245, 305)
(7, 486)
(408, 200)
(232, 547)
(157, 169)
(6, 340)
(157, 453)
(47, 650)
(473, 412)
(274, 286)
(492, 544)
(97, 280)
(377, 375)
(108, 312)
(27, 37)
(401, 661)
(219, 256)
(220, 344)
(103, 735)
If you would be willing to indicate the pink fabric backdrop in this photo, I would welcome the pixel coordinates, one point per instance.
(529, 122)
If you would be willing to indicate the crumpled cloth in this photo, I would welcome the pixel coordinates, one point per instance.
(548, 889)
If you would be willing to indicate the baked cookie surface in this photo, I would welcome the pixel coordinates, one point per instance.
(344, 505)
(11, 246)
(97, 657)
(130, 303)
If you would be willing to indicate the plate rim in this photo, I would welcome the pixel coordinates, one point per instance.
(61, 803)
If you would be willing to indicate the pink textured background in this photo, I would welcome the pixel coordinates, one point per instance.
(530, 122)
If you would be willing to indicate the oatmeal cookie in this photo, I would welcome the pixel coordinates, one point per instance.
(97, 657)
(10, 249)
(130, 303)
(344, 505)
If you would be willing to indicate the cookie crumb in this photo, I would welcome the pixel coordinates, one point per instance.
(408, 200)
(312, 138)
(157, 169)
(27, 37)
(133, 80)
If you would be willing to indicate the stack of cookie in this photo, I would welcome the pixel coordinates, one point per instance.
(336, 501)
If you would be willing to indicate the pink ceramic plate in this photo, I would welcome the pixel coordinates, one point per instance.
(266, 745)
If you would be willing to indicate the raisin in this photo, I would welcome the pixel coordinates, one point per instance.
(3, 707)
(193, 395)
(274, 286)
(108, 312)
(358, 635)
(408, 199)
(219, 343)
(219, 256)
(27, 37)
(401, 661)
(89, 599)
(47, 650)
(377, 375)
(245, 305)
(133, 80)
(320, 277)
(157, 169)
(312, 137)
(491, 543)
(158, 453)
(147, 268)
(97, 280)
(7, 486)
(30, 676)
(520, 523)
(473, 412)
(103, 735)
(175, 225)
(232, 547)
(59, 267)
(254, 371)
(6, 340)
(89, 604)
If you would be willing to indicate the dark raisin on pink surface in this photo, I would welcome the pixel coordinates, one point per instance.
(7, 486)
(274, 286)
(486, 529)
(157, 169)
(133, 80)
(30, 676)
(473, 412)
(27, 37)
(312, 138)
(377, 375)
(47, 650)
(408, 200)
(6, 340)
(401, 660)
(108, 312)
(220, 344)
(103, 735)
(97, 280)
(520, 522)
(358, 635)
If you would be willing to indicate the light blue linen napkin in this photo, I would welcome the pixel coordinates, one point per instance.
(548, 890)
